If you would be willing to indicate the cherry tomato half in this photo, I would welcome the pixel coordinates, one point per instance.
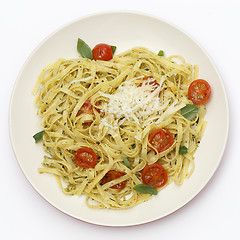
(161, 139)
(199, 91)
(153, 83)
(86, 158)
(111, 175)
(154, 175)
(103, 52)
(87, 108)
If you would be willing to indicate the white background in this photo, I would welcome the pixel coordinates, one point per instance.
(214, 213)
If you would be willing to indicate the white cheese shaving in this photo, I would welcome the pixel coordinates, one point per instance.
(136, 103)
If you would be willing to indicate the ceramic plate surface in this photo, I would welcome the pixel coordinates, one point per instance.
(124, 30)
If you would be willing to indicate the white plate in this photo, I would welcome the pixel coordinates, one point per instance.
(125, 30)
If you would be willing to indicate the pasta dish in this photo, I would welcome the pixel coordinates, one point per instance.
(119, 130)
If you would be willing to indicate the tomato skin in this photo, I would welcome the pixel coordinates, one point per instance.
(111, 175)
(102, 52)
(153, 82)
(199, 91)
(161, 139)
(87, 108)
(154, 175)
(86, 158)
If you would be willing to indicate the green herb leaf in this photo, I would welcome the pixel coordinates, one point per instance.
(113, 49)
(161, 53)
(183, 150)
(84, 49)
(38, 136)
(126, 162)
(189, 111)
(143, 188)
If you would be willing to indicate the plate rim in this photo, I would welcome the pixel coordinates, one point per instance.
(17, 80)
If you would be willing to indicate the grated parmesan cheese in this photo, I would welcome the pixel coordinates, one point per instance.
(133, 103)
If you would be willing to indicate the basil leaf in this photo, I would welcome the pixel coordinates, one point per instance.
(189, 111)
(126, 162)
(84, 49)
(183, 150)
(113, 49)
(143, 188)
(38, 136)
(161, 53)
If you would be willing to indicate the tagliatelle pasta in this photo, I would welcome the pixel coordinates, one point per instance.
(125, 109)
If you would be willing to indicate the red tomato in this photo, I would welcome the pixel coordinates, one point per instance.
(154, 175)
(161, 139)
(103, 52)
(111, 175)
(153, 83)
(87, 108)
(199, 91)
(86, 158)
